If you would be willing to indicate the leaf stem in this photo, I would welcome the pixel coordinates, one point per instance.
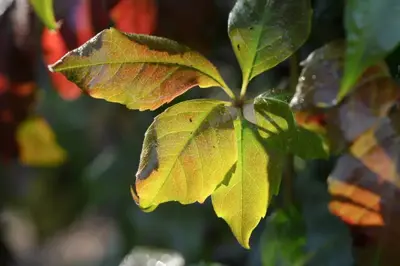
(244, 89)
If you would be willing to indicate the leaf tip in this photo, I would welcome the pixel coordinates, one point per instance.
(246, 244)
(135, 197)
(51, 67)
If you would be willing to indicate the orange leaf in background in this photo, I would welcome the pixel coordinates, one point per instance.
(365, 183)
(352, 201)
(136, 16)
(54, 48)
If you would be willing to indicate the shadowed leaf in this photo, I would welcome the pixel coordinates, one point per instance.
(366, 193)
(140, 71)
(277, 127)
(186, 153)
(320, 78)
(365, 181)
(264, 32)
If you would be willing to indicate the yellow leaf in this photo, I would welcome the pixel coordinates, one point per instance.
(243, 201)
(187, 151)
(37, 143)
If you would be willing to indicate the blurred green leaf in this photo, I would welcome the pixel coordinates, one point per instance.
(308, 145)
(44, 10)
(284, 239)
(372, 32)
(264, 33)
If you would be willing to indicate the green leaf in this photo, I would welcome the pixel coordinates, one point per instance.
(243, 201)
(277, 128)
(37, 143)
(187, 152)
(275, 121)
(264, 32)
(308, 145)
(44, 10)
(284, 239)
(372, 32)
(140, 71)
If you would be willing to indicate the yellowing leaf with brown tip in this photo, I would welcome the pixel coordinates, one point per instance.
(37, 144)
(187, 152)
(243, 201)
(140, 71)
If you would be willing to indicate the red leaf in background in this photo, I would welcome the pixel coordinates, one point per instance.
(54, 48)
(77, 28)
(138, 16)
(16, 99)
(79, 23)
(17, 88)
(3, 84)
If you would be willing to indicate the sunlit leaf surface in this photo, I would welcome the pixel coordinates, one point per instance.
(140, 71)
(264, 32)
(187, 152)
(243, 200)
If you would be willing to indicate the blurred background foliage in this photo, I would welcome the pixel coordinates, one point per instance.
(76, 208)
